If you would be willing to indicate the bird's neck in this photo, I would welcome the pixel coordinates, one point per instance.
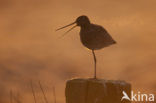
(85, 26)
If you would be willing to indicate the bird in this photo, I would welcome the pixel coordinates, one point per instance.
(92, 36)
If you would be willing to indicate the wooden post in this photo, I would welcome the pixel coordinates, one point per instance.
(96, 91)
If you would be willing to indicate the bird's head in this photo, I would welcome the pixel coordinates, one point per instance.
(80, 21)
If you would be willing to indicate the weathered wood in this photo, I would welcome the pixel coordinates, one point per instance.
(96, 91)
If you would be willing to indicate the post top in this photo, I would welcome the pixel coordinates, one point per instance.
(121, 82)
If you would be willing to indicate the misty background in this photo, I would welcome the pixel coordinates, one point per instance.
(30, 49)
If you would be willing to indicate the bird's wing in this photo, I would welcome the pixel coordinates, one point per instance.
(100, 33)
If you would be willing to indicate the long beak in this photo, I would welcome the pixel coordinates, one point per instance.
(65, 26)
(69, 30)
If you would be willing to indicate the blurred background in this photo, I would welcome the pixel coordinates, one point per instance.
(30, 49)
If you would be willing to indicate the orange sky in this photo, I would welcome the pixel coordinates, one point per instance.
(30, 49)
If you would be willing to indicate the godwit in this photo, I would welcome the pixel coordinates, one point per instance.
(92, 36)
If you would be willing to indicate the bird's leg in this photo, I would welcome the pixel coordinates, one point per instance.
(94, 64)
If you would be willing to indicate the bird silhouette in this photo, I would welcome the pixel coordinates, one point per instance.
(92, 36)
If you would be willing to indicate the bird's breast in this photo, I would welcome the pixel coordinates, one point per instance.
(87, 38)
